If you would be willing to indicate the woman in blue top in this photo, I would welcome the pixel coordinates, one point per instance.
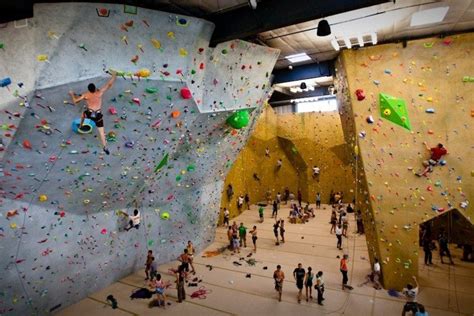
(308, 283)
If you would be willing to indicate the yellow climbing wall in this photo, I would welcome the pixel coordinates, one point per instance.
(300, 141)
(428, 74)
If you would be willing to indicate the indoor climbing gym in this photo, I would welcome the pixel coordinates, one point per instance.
(237, 157)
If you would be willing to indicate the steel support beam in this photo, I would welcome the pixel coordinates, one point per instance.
(272, 14)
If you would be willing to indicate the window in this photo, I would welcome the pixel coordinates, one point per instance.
(318, 105)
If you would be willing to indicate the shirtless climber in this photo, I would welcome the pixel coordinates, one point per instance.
(94, 104)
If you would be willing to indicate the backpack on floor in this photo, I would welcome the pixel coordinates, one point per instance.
(141, 293)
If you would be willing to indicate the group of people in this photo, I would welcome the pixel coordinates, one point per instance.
(237, 236)
(300, 213)
(303, 279)
(429, 245)
(159, 285)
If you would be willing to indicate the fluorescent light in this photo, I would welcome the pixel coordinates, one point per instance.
(373, 36)
(429, 16)
(347, 42)
(360, 40)
(335, 44)
(296, 58)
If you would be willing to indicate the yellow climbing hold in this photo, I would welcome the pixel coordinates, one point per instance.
(387, 112)
(43, 198)
(171, 35)
(13, 226)
(156, 43)
(42, 57)
(183, 52)
(143, 73)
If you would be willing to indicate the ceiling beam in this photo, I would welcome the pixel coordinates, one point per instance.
(244, 22)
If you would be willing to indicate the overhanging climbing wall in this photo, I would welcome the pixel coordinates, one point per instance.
(434, 78)
(61, 232)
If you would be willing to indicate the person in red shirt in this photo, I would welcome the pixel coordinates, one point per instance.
(436, 154)
(343, 268)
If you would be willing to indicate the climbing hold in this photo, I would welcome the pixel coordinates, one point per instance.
(5, 82)
(27, 144)
(42, 57)
(112, 110)
(175, 114)
(111, 136)
(442, 162)
(190, 168)
(224, 51)
(430, 110)
(165, 215)
(467, 79)
(239, 119)
(181, 22)
(394, 110)
(151, 90)
(42, 198)
(87, 126)
(143, 73)
(103, 231)
(178, 178)
(360, 94)
(185, 93)
(156, 43)
(136, 100)
(170, 35)
(162, 163)
(370, 119)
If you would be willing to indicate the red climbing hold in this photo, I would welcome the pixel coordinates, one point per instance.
(186, 93)
(27, 144)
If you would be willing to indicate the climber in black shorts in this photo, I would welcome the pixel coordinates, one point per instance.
(93, 99)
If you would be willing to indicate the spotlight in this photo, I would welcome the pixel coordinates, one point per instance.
(303, 86)
(253, 4)
(323, 28)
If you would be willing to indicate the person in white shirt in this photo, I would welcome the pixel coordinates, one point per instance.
(240, 202)
(226, 217)
(134, 220)
(339, 236)
(279, 163)
(316, 171)
(411, 294)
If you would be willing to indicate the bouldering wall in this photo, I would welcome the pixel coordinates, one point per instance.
(433, 77)
(61, 228)
(301, 141)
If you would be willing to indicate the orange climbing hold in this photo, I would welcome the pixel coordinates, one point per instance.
(27, 144)
(175, 114)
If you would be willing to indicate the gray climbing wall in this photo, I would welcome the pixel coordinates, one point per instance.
(61, 232)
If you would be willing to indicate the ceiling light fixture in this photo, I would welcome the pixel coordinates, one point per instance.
(335, 44)
(373, 37)
(429, 16)
(347, 42)
(303, 85)
(360, 40)
(323, 28)
(296, 58)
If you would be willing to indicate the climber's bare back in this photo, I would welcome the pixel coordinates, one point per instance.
(94, 100)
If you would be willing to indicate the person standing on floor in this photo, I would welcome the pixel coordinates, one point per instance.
(308, 284)
(149, 260)
(299, 274)
(287, 195)
(235, 241)
(318, 200)
(427, 244)
(153, 269)
(226, 217)
(339, 236)
(282, 230)
(444, 247)
(240, 202)
(276, 226)
(345, 224)
(333, 221)
(278, 198)
(344, 270)
(253, 232)
(180, 278)
(243, 235)
(184, 259)
(230, 232)
(275, 209)
(191, 251)
(300, 197)
(279, 277)
(377, 274)
(411, 294)
(247, 201)
(320, 287)
(360, 225)
(159, 285)
(260, 213)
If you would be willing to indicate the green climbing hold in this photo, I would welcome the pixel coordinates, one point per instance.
(394, 110)
(165, 215)
(191, 168)
(193, 72)
(178, 178)
(150, 243)
(224, 51)
(162, 163)
(239, 119)
(151, 90)
(2, 45)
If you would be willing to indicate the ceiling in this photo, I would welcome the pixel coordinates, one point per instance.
(391, 21)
